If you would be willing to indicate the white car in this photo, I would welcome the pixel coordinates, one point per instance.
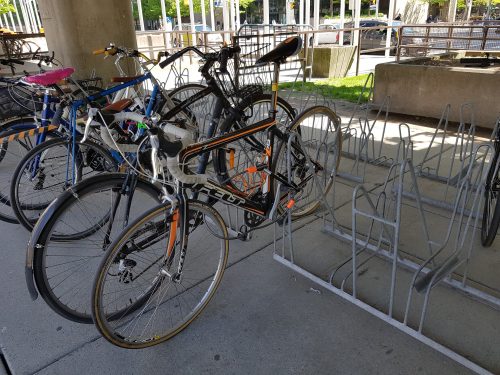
(181, 40)
(327, 37)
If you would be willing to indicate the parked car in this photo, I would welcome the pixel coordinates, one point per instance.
(373, 38)
(181, 39)
(324, 37)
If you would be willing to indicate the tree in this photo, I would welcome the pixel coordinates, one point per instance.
(6, 6)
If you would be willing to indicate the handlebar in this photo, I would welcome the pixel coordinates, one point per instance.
(224, 54)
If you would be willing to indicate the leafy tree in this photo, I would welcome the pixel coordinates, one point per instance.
(6, 6)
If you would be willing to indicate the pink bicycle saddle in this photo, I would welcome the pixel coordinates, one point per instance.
(51, 77)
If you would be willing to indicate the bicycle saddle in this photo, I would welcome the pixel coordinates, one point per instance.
(50, 78)
(289, 47)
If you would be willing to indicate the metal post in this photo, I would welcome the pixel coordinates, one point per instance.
(301, 12)
(231, 14)
(388, 33)
(12, 21)
(179, 19)
(31, 17)
(37, 16)
(163, 15)
(19, 24)
(203, 15)
(141, 17)
(26, 19)
(237, 10)
(307, 21)
(5, 21)
(316, 16)
(191, 18)
(452, 11)
(342, 22)
(265, 8)
(212, 17)
(225, 17)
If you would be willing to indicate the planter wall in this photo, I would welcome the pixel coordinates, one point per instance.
(331, 62)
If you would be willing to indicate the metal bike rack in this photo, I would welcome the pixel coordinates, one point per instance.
(376, 229)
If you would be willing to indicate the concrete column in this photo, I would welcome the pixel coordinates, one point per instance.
(75, 28)
(265, 10)
(31, 15)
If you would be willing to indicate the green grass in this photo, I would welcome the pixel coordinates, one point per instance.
(348, 88)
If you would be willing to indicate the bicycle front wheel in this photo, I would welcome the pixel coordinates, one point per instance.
(74, 232)
(491, 210)
(140, 298)
(313, 158)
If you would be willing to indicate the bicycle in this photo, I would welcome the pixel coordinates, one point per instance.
(148, 270)
(80, 222)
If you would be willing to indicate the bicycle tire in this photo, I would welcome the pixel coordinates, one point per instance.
(102, 159)
(11, 152)
(157, 283)
(225, 169)
(490, 223)
(333, 145)
(69, 207)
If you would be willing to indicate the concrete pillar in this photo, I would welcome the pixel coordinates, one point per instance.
(225, 19)
(231, 14)
(31, 15)
(75, 28)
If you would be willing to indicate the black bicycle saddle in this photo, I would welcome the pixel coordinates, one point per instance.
(289, 47)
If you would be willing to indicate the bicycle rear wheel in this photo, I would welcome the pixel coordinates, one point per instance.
(491, 210)
(74, 232)
(46, 171)
(139, 298)
(314, 159)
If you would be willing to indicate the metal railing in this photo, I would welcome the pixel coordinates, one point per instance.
(422, 40)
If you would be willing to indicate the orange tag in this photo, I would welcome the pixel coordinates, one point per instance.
(231, 158)
(290, 204)
(252, 169)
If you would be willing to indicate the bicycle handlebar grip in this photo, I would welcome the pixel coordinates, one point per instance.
(99, 51)
(170, 59)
